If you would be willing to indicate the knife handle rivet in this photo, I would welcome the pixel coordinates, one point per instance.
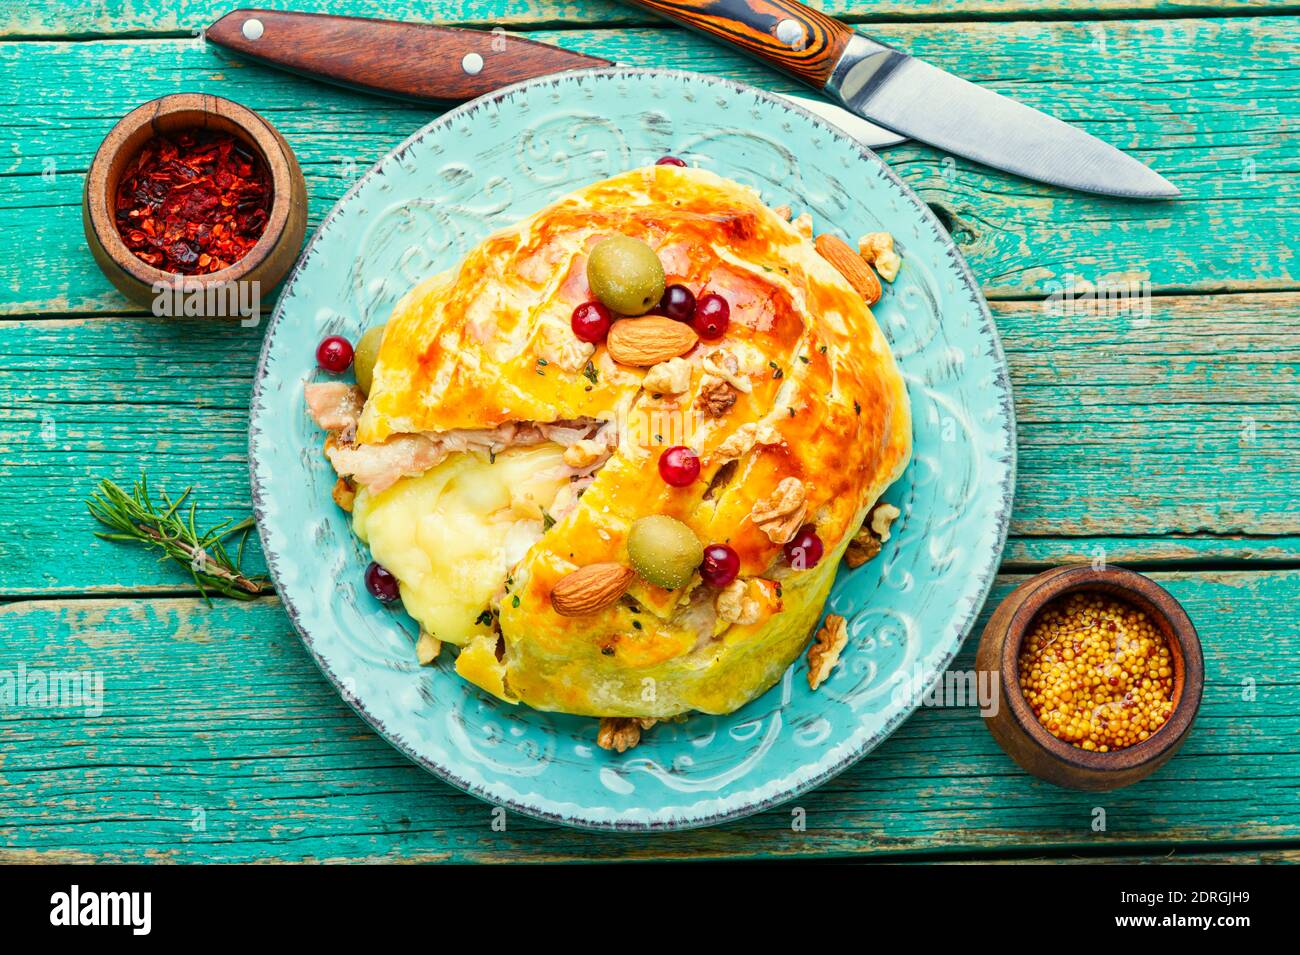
(789, 32)
(472, 64)
(253, 29)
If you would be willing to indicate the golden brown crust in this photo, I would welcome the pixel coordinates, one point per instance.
(802, 391)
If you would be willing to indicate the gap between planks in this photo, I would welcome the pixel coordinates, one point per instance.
(1170, 292)
(1150, 89)
(938, 787)
(525, 17)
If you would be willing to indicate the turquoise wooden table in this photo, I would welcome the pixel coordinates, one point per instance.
(1163, 435)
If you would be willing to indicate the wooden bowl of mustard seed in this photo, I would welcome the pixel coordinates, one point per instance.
(1099, 673)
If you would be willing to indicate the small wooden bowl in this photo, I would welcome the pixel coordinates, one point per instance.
(1026, 740)
(266, 263)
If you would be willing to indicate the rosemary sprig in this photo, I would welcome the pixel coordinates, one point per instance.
(135, 517)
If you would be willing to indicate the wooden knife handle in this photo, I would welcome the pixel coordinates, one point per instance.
(416, 61)
(794, 38)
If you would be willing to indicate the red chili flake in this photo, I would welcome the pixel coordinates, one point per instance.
(194, 202)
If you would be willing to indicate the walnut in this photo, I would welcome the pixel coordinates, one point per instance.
(880, 518)
(736, 605)
(585, 452)
(783, 211)
(781, 514)
(740, 441)
(878, 249)
(825, 652)
(669, 377)
(861, 549)
(716, 396)
(622, 733)
(427, 648)
(803, 225)
(345, 493)
(723, 364)
(874, 532)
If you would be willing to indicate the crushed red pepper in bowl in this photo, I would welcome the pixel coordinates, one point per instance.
(193, 202)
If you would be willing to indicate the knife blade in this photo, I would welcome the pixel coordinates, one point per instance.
(908, 95)
(428, 63)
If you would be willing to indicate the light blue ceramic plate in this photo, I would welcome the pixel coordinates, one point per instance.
(487, 165)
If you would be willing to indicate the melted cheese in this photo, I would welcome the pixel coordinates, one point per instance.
(452, 534)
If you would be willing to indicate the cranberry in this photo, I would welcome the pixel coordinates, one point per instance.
(334, 354)
(712, 316)
(670, 161)
(678, 303)
(382, 584)
(591, 322)
(679, 466)
(805, 549)
(721, 565)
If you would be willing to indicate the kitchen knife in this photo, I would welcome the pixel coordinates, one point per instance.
(423, 62)
(910, 96)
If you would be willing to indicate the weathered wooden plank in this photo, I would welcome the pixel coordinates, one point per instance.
(1184, 406)
(218, 740)
(1206, 101)
(1173, 856)
(83, 400)
(58, 18)
(1131, 427)
(1038, 553)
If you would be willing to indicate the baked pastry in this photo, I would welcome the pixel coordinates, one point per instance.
(644, 524)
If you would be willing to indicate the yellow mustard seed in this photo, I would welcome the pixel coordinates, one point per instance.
(1097, 672)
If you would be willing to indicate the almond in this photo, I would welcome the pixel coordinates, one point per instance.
(642, 342)
(850, 265)
(590, 588)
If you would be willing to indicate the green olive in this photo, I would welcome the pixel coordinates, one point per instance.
(664, 551)
(364, 356)
(625, 275)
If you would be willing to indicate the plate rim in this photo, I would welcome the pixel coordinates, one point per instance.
(653, 820)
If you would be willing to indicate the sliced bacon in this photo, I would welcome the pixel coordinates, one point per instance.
(567, 432)
(336, 407)
(574, 288)
(333, 405)
(378, 466)
(676, 258)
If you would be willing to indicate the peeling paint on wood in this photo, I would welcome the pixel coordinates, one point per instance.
(1169, 440)
(1205, 101)
(54, 18)
(1168, 437)
(238, 750)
